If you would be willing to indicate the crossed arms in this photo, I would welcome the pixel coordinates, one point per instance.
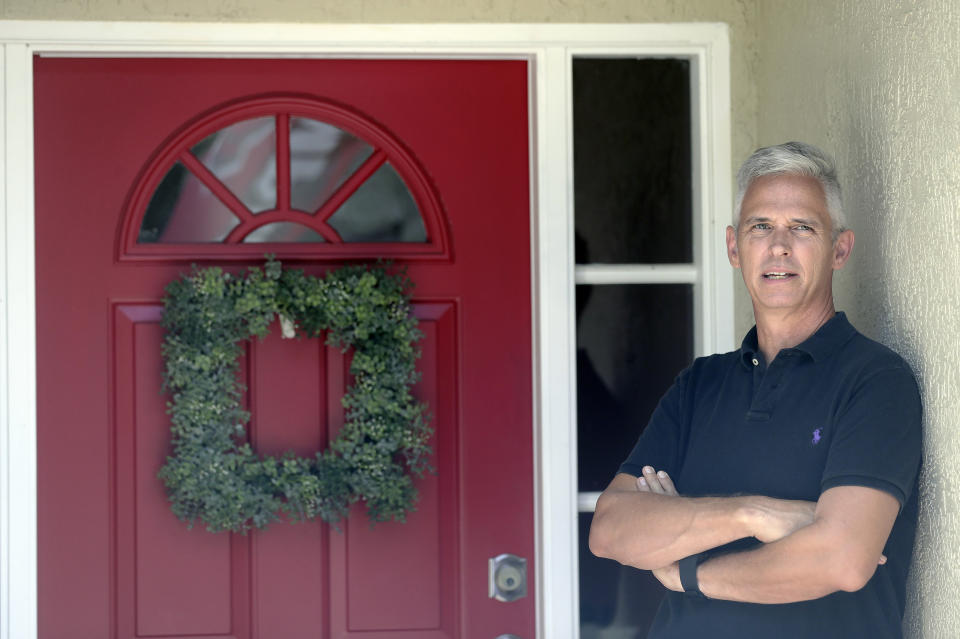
(809, 550)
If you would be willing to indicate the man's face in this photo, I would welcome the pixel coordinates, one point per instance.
(783, 244)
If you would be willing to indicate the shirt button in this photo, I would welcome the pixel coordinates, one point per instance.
(755, 361)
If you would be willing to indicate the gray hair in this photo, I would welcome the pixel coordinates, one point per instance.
(794, 158)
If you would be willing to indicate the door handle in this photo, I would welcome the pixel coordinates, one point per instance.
(507, 579)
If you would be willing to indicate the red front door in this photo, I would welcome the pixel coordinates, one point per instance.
(113, 559)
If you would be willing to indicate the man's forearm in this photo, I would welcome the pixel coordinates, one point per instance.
(840, 550)
(647, 525)
(798, 567)
(647, 530)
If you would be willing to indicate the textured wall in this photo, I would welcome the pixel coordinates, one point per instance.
(878, 84)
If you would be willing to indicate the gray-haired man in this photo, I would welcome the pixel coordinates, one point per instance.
(774, 490)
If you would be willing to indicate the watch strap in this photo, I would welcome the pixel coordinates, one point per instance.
(688, 575)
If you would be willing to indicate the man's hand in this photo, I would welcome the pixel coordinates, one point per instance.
(653, 481)
(773, 519)
(669, 576)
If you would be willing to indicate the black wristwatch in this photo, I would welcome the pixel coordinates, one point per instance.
(688, 575)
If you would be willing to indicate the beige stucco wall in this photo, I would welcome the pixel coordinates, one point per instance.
(878, 84)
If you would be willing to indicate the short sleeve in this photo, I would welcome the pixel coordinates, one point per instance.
(877, 440)
(659, 443)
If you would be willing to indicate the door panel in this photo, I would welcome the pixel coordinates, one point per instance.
(114, 561)
(170, 581)
(289, 416)
(400, 580)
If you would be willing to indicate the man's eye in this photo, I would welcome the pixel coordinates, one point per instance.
(761, 226)
(803, 227)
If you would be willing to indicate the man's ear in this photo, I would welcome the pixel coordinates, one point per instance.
(732, 254)
(842, 248)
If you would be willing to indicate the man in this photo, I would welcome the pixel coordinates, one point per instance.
(774, 490)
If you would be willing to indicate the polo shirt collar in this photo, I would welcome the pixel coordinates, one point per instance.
(827, 340)
(749, 348)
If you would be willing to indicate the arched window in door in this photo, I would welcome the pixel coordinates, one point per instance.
(299, 176)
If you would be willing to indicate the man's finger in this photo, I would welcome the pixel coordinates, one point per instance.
(669, 576)
(883, 559)
(650, 475)
(642, 485)
(667, 483)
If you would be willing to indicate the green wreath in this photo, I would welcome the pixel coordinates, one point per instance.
(213, 475)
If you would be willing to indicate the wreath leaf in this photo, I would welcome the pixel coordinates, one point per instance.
(213, 475)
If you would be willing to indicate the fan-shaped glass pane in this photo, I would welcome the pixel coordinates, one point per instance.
(244, 157)
(322, 157)
(381, 210)
(184, 210)
(283, 232)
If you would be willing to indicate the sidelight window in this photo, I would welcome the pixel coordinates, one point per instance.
(636, 277)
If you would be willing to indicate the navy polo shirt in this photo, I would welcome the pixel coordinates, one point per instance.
(838, 409)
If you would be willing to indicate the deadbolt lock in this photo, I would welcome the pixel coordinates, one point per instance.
(508, 577)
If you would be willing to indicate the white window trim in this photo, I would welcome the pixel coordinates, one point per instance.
(550, 48)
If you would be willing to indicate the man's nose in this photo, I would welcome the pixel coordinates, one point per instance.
(781, 242)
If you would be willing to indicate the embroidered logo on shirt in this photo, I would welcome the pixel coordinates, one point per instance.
(817, 436)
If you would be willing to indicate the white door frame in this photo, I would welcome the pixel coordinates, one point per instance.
(550, 49)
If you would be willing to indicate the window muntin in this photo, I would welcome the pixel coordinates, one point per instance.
(322, 157)
(243, 156)
(283, 232)
(184, 210)
(381, 210)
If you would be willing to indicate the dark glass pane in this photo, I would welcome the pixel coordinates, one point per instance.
(381, 210)
(632, 341)
(615, 600)
(183, 209)
(244, 157)
(283, 232)
(322, 157)
(632, 165)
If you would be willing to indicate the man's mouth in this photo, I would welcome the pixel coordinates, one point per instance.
(778, 275)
